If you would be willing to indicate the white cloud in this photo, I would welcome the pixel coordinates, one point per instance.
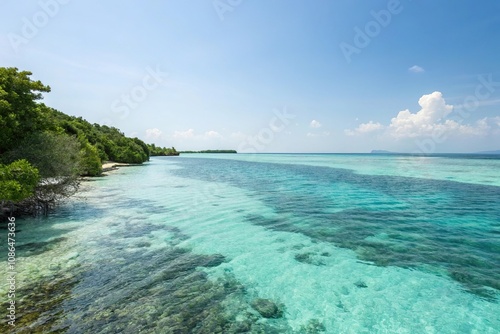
(315, 124)
(431, 120)
(184, 134)
(416, 69)
(153, 133)
(213, 134)
(365, 128)
(433, 111)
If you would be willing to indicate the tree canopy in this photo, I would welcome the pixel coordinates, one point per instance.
(19, 111)
(161, 151)
(43, 151)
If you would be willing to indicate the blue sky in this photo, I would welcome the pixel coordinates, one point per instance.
(269, 76)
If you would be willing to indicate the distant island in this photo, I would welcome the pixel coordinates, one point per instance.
(210, 151)
(382, 152)
(496, 152)
(156, 151)
(489, 152)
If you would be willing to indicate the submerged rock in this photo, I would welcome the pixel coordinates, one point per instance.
(361, 284)
(309, 258)
(37, 248)
(213, 260)
(267, 308)
(313, 327)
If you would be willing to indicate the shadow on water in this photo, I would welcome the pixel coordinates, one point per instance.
(39, 247)
(36, 235)
(387, 220)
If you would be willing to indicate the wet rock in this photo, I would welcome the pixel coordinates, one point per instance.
(267, 308)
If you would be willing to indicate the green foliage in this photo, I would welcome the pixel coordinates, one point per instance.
(91, 162)
(59, 161)
(21, 115)
(161, 151)
(101, 152)
(143, 145)
(17, 181)
(19, 111)
(113, 145)
(109, 143)
(54, 155)
(53, 148)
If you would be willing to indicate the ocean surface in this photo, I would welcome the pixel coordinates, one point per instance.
(268, 243)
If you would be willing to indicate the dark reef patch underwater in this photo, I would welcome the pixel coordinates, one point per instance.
(445, 227)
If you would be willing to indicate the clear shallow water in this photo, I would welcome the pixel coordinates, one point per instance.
(339, 243)
(480, 169)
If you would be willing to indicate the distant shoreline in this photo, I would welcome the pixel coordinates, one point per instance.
(497, 152)
(210, 151)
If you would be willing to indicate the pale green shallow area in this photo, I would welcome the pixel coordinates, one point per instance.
(110, 247)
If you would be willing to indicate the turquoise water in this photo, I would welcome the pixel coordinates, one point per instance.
(334, 243)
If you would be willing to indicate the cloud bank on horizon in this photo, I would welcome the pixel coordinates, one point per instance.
(434, 119)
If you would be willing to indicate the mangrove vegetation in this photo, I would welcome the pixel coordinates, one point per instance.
(44, 152)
